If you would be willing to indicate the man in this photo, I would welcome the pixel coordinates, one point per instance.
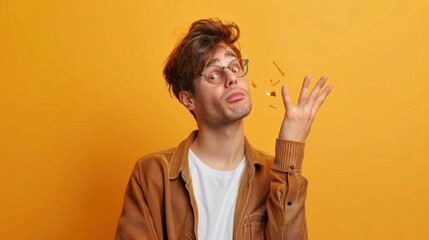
(215, 185)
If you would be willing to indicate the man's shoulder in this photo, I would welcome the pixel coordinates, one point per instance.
(168, 162)
(156, 159)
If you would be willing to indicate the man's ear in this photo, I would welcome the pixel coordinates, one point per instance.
(187, 99)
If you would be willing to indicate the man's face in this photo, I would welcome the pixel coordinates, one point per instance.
(225, 102)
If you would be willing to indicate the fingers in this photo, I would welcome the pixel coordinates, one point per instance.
(308, 101)
(320, 99)
(286, 99)
(316, 91)
(302, 100)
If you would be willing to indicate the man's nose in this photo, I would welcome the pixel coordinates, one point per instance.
(230, 77)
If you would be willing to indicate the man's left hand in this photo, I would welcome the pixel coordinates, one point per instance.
(298, 120)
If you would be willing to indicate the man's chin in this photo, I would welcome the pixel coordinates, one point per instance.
(242, 113)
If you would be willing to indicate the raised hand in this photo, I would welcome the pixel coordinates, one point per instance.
(298, 120)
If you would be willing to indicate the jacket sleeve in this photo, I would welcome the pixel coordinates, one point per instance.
(135, 221)
(286, 202)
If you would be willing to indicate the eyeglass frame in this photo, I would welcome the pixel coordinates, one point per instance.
(245, 63)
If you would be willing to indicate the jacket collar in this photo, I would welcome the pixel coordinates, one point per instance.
(179, 159)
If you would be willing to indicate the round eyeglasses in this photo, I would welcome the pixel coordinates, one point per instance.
(215, 74)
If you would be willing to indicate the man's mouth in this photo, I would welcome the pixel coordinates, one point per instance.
(235, 96)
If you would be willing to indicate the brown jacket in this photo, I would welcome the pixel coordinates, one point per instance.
(160, 204)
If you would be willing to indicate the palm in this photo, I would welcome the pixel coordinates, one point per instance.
(297, 121)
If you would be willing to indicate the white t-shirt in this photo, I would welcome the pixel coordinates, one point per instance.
(216, 195)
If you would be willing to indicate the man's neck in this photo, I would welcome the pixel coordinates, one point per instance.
(221, 148)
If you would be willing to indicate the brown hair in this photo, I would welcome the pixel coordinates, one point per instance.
(188, 58)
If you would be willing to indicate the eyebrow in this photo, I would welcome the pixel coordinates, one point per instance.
(215, 60)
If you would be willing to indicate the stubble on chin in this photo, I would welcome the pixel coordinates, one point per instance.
(243, 111)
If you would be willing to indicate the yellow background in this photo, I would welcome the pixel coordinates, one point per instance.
(82, 98)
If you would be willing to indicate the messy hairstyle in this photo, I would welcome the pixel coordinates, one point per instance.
(192, 51)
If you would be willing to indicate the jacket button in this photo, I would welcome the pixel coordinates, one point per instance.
(292, 167)
(289, 203)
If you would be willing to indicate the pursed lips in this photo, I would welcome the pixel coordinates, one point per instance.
(235, 96)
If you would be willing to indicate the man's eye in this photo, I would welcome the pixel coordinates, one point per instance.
(235, 69)
(214, 76)
(214, 73)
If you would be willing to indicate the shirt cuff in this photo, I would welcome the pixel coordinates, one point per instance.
(289, 156)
